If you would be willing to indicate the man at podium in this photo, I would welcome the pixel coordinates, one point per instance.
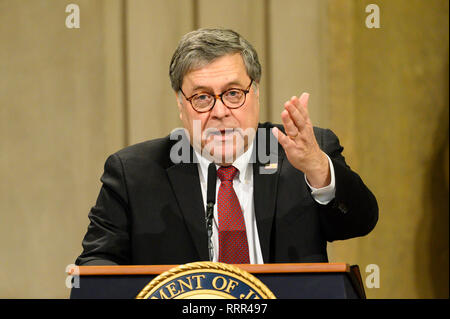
(279, 192)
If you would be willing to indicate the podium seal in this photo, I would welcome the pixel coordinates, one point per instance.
(205, 280)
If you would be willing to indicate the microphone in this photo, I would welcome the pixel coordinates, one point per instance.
(210, 201)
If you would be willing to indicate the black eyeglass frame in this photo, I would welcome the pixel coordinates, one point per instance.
(216, 97)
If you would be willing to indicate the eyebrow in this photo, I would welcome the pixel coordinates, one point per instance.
(207, 88)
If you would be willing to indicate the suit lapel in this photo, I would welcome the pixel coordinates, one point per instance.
(265, 182)
(186, 186)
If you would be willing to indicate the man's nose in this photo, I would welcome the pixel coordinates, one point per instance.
(219, 110)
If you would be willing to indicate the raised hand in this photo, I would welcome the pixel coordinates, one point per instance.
(300, 143)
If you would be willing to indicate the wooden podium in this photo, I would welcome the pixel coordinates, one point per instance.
(286, 281)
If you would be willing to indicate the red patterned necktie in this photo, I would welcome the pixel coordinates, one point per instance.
(233, 245)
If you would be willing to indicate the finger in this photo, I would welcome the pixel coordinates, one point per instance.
(302, 105)
(296, 101)
(303, 101)
(284, 140)
(296, 115)
(289, 126)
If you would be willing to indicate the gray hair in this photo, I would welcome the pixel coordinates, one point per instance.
(201, 47)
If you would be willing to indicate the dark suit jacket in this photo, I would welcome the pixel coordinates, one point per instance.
(150, 210)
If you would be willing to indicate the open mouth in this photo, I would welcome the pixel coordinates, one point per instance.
(224, 145)
(221, 134)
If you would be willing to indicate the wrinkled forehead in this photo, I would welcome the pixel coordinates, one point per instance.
(227, 68)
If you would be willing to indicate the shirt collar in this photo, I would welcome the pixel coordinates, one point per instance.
(241, 163)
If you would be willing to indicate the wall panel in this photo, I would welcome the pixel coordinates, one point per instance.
(297, 58)
(61, 115)
(400, 135)
(153, 30)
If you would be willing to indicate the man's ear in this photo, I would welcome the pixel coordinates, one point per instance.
(179, 104)
(256, 89)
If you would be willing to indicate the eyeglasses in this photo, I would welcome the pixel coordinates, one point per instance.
(231, 98)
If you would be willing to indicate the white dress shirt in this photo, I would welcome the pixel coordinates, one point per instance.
(243, 186)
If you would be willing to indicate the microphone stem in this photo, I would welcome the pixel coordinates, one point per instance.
(209, 220)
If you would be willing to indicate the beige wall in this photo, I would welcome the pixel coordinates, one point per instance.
(60, 114)
(395, 129)
(68, 98)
